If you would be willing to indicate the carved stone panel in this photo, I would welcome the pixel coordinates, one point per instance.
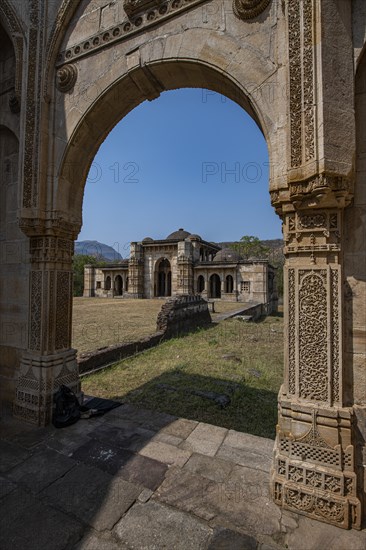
(301, 73)
(314, 342)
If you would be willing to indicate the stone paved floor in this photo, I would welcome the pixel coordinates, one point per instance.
(137, 479)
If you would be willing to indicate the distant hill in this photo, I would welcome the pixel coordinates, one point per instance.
(97, 249)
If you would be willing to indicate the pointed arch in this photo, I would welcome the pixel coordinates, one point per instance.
(12, 26)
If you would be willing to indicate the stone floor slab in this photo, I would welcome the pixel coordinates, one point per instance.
(153, 526)
(119, 462)
(164, 437)
(210, 467)
(225, 539)
(41, 469)
(180, 427)
(165, 453)
(132, 438)
(6, 487)
(205, 439)
(186, 491)
(11, 455)
(242, 440)
(40, 527)
(313, 535)
(245, 457)
(98, 541)
(92, 496)
(105, 456)
(144, 471)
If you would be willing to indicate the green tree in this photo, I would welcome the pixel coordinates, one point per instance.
(78, 263)
(251, 247)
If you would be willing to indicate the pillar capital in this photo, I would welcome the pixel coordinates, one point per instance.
(318, 191)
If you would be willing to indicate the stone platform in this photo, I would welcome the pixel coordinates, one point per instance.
(138, 479)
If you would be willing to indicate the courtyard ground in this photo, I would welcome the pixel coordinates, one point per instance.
(228, 375)
(136, 479)
(99, 322)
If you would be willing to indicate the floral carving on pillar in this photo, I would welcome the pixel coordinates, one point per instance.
(313, 350)
(248, 9)
(301, 71)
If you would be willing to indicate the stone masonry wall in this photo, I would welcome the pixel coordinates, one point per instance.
(183, 313)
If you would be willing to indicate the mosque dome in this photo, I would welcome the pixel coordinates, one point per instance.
(227, 255)
(179, 235)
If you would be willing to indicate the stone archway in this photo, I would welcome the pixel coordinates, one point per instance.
(90, 72)
(215, 286)
(118, 285)
(163, 278)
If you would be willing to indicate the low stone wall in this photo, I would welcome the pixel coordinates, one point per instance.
(94, 360)
(183, 314)
(178, 315)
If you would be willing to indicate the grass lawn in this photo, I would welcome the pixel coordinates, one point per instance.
(99, 322)
(243, 361)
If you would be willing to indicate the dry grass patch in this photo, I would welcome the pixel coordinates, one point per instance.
(241, 360)
(99, 322)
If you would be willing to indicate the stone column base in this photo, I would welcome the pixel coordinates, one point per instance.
(314, 470)
(39, 379)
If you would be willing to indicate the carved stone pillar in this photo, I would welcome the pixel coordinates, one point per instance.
(315, 469)
(50, 361)
(136, 278)
(185, 275)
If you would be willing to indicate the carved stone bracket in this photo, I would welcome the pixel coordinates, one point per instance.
(248, 9)
(318, 191)
(53, 224)
(66, 77)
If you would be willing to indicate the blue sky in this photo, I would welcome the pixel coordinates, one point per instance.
(191, 158)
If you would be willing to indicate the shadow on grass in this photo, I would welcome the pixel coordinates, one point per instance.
(197, 397)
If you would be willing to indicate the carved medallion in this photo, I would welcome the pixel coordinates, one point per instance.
(66, 77)
(248, 9)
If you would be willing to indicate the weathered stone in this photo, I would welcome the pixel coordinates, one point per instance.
(209, 467)
(20, 525)
(249, 442)
(224, 539)
(205, 439)
(92, 496)
(180, 427)
(165, 453)
(245, 457)
(41, 469)
(11, 455)
(6, 487)
(129, 438)
(100, 542)
(153, 525)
